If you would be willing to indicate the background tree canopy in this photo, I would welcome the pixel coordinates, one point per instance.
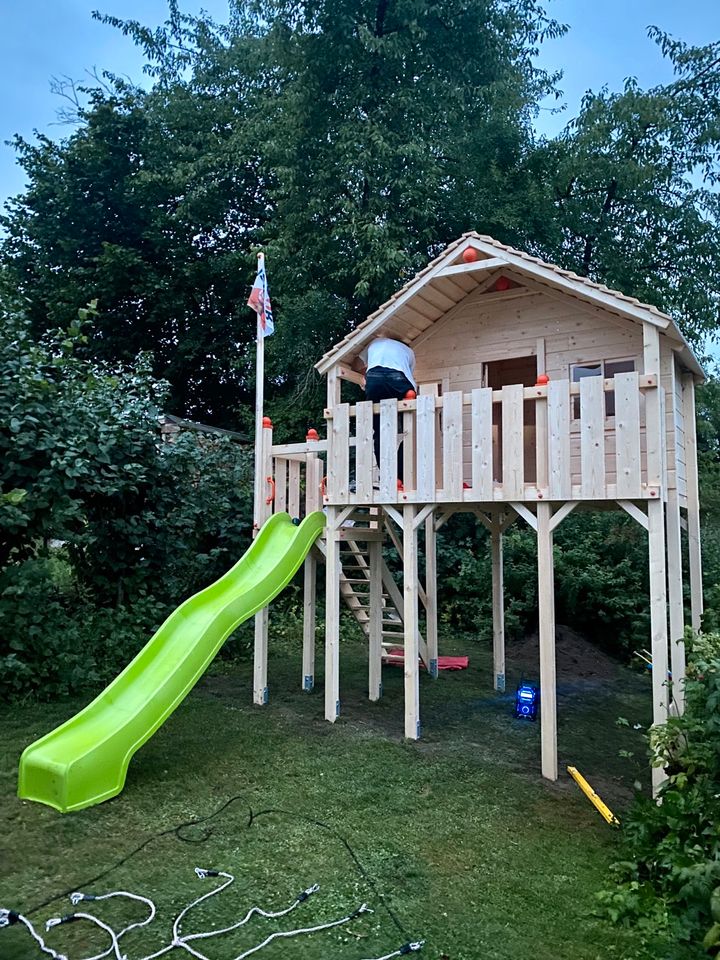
(351, 140)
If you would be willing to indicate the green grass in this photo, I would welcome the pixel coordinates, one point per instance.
(461, 838)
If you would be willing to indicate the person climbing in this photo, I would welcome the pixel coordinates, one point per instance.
(389, 370)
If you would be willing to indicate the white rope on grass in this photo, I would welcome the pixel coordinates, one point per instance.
(114, 944)
(411, 947)
(295, 933)
(76, 898)
(10, 917)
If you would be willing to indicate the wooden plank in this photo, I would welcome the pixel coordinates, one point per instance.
(498, 607)
(332, 616)
(408, 450)
(658, 621)
(411, 625)
(364, 453)
(513, 442)
(426, 448)
(675, 601)
(546, 615)
(431, 608)
(375, 624)
(388, 451)
(477, 267)
(260, 652)
(294, 489)
(592, 438)
(561, 513)
(452, 430)
(309, 619)
(559, 479)
(635, 512)
(628, 465)
(281, 474)
(313, 482)
(693, 503)
(339, 454)
(482, 445)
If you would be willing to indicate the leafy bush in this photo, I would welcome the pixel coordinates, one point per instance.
(671, 861)
(103, 528)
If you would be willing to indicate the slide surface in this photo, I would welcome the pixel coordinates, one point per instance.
(85, 760)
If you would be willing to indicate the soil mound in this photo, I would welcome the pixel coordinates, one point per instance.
(576, 657)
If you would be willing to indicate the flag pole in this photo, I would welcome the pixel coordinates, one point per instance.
(259, 401)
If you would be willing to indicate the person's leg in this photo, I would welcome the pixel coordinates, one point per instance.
(385, 384)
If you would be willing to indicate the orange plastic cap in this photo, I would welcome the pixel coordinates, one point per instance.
(267, 423)
(542, 380)
(312, 434)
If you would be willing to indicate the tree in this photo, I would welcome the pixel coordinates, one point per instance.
(312, 128)
(632, 187)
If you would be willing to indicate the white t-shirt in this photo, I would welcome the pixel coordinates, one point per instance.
(392, 354)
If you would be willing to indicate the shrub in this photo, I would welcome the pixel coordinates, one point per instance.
(671, 862)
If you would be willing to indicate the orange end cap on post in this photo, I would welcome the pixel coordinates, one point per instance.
(312, 434)
(267, 423)
(542, 380)
(410, 395)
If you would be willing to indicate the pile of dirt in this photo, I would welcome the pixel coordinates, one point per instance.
(576, 658)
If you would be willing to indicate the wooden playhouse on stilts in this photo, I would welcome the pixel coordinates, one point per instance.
(539, 392)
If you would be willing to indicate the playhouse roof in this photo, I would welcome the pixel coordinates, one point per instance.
(447, 280)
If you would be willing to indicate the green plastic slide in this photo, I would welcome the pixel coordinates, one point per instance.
(85, 760)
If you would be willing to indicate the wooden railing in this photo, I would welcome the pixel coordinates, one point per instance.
(293, 477)
(552, 441)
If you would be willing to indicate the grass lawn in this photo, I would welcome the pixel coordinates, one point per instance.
(462, 842)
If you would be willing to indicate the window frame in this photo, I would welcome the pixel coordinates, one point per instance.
(610, 395)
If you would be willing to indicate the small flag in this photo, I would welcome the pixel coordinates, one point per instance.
(259, 300)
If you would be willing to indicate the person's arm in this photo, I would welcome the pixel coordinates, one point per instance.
(359, 365)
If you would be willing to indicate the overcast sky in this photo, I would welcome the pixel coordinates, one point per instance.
(41, 39)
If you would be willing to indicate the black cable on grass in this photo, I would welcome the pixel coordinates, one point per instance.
(177, 831)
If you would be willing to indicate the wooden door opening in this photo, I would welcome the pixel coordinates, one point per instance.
(500, 373)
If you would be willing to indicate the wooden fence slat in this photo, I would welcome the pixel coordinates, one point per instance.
(482, 445)
(339, 454)
(627, 436)
(294, 489)
(592, 438)
(388, 451)
(513, 442)
(452, 446)
(313, 479)
(425, 431)
(364, 456)
(560, 481)
(280, 486)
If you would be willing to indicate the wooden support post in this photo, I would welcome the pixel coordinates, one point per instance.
(308, 660)
(431, 607)
(410, 616)
(263, 510)
(498, 606)
(375, 625)
(332, 616)
(658, 621)
(546, 609)
(693, 503)
(675, 598)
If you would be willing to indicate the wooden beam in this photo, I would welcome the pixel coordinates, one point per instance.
(658, 621)
(476, 266)
(693, 503)
(260, 654)
(332, 616)
(675, 601)
(561, 513)
(498, 607)
(527, 516)
(309, 618)
(411, 626)
(375, 625)
(546, 613)
(431, 608)
(635, 512)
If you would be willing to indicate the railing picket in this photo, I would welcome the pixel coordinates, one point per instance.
(294, 489)
(627, 436)
(425, 430)
(560, 481)
(592, 438)
(482, 460)
(452, 446)
(513, 442)
(281, 466)
(388, 451)
(364, 456)
(339, 454)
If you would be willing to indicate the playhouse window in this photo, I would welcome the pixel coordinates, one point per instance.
(599, 368)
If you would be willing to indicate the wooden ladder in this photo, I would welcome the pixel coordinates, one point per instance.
(355, 588)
